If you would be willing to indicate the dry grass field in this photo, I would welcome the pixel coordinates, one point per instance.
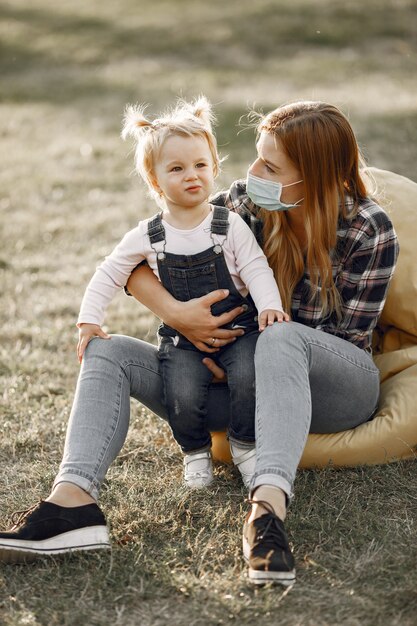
(67, 195)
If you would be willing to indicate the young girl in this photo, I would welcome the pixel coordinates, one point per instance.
(193, 248)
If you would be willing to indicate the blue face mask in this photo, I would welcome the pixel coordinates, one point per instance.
(267, 194)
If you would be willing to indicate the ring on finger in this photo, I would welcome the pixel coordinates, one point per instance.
(213, 341)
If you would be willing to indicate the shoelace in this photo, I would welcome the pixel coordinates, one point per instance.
(271, 534)
(263, 503)
(269, 530)
(18, 517)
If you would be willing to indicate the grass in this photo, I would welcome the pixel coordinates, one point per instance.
(67, 196)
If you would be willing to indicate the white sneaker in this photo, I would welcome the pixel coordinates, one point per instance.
(198, 470)
(245, 460)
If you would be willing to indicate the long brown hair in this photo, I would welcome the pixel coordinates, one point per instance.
(320, 142)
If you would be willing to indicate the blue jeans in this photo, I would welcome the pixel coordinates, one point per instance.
(306, 380)
(113, 371)
(186, 387)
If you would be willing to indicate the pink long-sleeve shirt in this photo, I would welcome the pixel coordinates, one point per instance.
(245, 260)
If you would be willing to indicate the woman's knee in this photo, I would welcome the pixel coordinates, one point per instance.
(281, 334)
(279, 346)
(113, 349)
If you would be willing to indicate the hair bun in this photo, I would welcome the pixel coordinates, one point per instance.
(201, 108)
(134, 121)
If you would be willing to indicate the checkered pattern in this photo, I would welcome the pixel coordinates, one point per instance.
(363, 263)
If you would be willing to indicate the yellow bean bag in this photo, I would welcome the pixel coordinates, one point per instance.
(392, 434)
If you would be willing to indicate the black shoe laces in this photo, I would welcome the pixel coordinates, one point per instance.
(270, 533)
(18, 517)
(268, 529)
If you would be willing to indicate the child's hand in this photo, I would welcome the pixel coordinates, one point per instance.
(269, 316)
(85, 333)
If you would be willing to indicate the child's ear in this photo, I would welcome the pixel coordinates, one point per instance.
(155, 185)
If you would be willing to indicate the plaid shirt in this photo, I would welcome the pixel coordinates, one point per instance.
(363, 263)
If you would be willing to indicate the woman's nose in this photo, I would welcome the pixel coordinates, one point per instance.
(254, 167)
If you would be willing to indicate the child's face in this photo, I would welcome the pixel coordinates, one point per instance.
(184, 171)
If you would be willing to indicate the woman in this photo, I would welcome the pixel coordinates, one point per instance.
(333, 251)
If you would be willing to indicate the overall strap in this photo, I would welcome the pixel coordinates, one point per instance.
(220, 221)
(156, 231)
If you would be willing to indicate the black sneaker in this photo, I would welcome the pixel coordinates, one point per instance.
(267, 552)
(49, 529)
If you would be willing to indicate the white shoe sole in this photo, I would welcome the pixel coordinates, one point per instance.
(286, 579)
(198, 485)
(20, 550)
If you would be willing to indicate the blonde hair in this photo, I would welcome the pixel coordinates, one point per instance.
(320, 142)
(185, 119)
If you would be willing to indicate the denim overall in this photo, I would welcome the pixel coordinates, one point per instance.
(185, 378)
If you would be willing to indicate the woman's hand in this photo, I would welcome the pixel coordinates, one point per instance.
(219, 375)
(194, 320)
(269, 316)
(85, 333)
